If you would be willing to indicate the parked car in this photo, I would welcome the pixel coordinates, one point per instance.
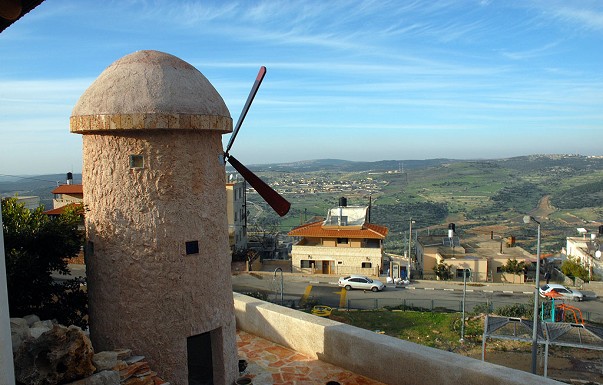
(360, 282)
(555, 290)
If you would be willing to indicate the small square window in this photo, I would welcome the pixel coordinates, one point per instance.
(192, 247)
(136, 161)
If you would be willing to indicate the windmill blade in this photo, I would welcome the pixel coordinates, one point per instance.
(274, 199)
(254, 90)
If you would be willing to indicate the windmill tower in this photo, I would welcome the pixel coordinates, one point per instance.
(157, 255)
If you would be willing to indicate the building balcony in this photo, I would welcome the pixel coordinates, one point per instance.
(286, 346)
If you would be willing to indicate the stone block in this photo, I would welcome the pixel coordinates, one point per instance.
(31, 319)
(106, 377)
(105, 360)
(58, 356)
(38, 331)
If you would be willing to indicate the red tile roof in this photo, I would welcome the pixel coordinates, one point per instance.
(69, 189)
(60, 210)
(316, 230)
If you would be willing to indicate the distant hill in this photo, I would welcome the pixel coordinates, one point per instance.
(349, 166)
(520, 163)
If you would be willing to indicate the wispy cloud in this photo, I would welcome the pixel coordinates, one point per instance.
(580, 17)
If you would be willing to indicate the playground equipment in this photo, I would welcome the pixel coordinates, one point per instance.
(562, 312)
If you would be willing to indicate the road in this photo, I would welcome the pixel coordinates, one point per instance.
(421, 295)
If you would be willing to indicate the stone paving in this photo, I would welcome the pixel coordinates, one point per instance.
(273, 364)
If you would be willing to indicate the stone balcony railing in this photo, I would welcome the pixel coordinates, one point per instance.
(379, 357)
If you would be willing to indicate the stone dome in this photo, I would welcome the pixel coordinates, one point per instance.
(150, 90)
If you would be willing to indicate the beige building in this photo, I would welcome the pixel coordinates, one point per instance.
(485, 259)
(236, 212)
(66, 194)
(344, 243)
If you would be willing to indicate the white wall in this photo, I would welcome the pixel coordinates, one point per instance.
(7, 371)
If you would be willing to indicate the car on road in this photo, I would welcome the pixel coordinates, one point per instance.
(360, 282)
(554, 290)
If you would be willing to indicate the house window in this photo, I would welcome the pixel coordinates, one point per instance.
(306, 264)
(136, 161)
(373, 243)
(459, 273)
(342, 241)
(366, 265)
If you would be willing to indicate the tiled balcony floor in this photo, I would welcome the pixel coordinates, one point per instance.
(273, 364)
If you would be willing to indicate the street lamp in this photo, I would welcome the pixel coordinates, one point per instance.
(528, 219)
(409, 243)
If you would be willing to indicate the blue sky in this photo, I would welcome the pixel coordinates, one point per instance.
(354, 80)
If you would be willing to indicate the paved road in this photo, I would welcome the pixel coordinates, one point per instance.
(423, 294)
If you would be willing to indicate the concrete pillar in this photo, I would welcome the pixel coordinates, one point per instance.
(7, 370)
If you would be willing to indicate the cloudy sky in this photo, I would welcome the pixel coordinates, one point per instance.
(354, 80)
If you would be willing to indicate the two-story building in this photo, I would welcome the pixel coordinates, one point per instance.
(344, 243)
(237, 215)
(65, 195)
(587, 250)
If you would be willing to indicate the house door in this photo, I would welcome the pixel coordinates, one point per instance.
(326, 267)
(396, 270)
(200, 366)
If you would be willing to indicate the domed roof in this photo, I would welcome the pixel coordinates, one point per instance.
(150, 90)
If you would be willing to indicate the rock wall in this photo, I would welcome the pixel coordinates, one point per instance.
(46, 353)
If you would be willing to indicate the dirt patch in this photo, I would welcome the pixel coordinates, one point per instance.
(564, 364)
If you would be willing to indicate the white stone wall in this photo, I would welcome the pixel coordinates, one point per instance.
(65, 199)
(351, 258)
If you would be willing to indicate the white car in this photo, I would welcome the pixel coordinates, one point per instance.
(554, 290)
(360, 282)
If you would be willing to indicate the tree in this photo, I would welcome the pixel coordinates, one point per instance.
(37, 246)
(514, 267)
(572, 268)
(443, 271)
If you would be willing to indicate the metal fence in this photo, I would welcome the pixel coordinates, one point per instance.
(443, 305)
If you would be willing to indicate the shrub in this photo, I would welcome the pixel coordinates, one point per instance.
(37, 246)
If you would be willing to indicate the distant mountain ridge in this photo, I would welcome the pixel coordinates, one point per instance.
(350, 166)
(41, 185)
(519, 162)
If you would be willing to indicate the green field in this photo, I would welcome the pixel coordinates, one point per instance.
(469, 193)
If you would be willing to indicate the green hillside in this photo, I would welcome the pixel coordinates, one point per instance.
(472, 194)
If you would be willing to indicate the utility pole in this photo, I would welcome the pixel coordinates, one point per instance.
(463, 305)
(409, 243)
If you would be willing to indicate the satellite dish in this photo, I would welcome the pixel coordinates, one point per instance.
(274, 199)
(598, 254)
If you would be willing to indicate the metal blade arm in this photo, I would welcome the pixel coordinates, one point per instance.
(254, 90)
(279, 204)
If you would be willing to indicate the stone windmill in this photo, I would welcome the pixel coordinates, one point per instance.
(157, 255)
